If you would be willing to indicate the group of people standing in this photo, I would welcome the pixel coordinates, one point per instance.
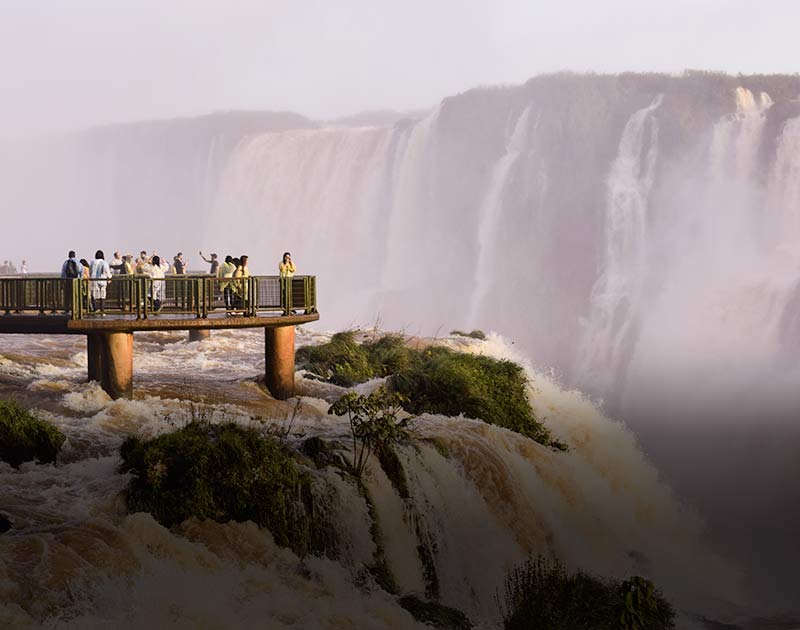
(101, 272)
(8, 268)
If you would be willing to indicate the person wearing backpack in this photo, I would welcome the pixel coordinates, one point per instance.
(70, 270)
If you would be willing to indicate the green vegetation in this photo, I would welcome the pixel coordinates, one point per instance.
(541, 594)
(342, 360)
(24, 437)
(374, 425)
(451, 383)
(222, 472)
(345, 362)
(475, 334)
(433, 380)
(436, 615)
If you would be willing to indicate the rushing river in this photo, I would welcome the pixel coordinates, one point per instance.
(74, 558)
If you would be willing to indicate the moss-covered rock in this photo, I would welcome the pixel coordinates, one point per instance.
(433, 379)
(343, 361)
(450, 383)
(25, 437)
(388, 355)
(434, 614)
(321, 453)
(224, 472)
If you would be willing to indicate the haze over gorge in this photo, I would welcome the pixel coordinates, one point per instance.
(635, 235)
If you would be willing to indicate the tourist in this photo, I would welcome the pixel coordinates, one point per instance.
(226, 271)
(286, 267)
(180, 266)
(156, 271)
(240, 283)
(127, 261)
(117, 264)
(213, 262)
(142, 262)
(85, 285)
(72, 267)
(24, 268)
(70, 270)
(100, 272)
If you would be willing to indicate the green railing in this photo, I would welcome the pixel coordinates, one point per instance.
(141, 297)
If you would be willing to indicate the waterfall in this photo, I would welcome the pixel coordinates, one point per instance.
(491, 213)
(650, 256)
(737, 136)
(610, 329)
(784, 184)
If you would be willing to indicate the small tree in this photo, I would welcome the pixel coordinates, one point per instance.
(374, 423)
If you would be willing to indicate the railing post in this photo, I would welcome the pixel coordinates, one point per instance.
(144, 297)
(199, 288)
(287, 282)
(74, 297)
(207, 290)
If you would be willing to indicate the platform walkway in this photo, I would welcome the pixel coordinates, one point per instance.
(199, 304)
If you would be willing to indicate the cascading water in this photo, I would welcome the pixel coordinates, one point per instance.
(477, 505)
(490, 260)
(616, 297)
(784, 185)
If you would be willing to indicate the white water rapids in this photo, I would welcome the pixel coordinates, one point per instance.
(75, 559)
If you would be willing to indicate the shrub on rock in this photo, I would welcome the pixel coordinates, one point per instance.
(541, 594)
(224, 472)
(451, 383)
(433, 380)
(343, 361)
(25, 437)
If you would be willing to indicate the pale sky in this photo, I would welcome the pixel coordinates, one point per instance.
(66, 64)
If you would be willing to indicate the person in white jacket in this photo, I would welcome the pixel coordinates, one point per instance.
(156, 270)
(99, 272)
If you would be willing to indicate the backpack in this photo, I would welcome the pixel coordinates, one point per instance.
(72, 269)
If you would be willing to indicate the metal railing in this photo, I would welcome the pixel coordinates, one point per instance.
(141, 297)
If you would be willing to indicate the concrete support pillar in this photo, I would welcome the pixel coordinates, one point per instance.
(111, 362)
(279, 361)
(198, 334)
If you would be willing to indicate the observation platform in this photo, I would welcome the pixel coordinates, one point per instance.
(199, 304)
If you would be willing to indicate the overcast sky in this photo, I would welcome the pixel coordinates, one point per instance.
(72, 63)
